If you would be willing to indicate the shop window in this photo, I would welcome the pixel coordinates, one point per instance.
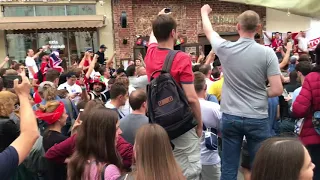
(50, 11)
(57, 39)
(73, 10)
(19, 42)
(79, 41)
(18, 11)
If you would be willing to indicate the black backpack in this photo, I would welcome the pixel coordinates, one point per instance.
(167, 103)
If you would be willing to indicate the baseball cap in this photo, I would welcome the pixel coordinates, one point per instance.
(42, 85)
(103, 46)
(89, 50)
(293, 59)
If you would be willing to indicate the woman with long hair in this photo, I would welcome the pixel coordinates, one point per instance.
(153, 155)
(282, 159)
(96, 156)
(307, 106)
(54, 115)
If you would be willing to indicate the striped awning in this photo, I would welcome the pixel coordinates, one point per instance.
(51, 22)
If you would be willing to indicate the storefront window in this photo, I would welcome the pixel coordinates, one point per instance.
(73, 10)
(80, 41)
(19, 42)
(50, 11)
(17, 11)
(71, 43)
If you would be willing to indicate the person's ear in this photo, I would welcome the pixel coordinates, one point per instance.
(238, 27)
(173, 33)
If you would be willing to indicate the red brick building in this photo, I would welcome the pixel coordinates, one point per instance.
(140, 13)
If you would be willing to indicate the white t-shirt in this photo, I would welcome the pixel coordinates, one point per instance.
(209, 83)
(211, 117)
(303, 43)
(71, 89)
(31, 63)
(94, 74)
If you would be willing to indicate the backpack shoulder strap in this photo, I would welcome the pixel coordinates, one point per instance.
(103, 171)
(168, 61)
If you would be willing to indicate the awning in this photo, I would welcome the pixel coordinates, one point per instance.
(308, 8)
(51, 22)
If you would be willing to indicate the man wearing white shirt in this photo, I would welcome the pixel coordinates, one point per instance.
(211, 117)
(302, 42)
(138, 81)
(206, 70)
(73, 89)
(31, 63)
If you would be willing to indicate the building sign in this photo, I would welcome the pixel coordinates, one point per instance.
(55, 45)
(225, 19)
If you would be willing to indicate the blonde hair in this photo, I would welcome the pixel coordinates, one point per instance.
(49, 107)
(151, 146)
(123, 80)
(249, 21)
(7, 102)
(49, 93)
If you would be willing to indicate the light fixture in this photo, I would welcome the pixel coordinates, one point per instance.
(101, 2)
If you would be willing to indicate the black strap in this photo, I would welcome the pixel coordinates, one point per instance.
(214, 130)
(168, 62)
(103, 171)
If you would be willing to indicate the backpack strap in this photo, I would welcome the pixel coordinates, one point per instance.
(103, 171)
(168, 62)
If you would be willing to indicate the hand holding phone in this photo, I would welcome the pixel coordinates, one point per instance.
(8, 81)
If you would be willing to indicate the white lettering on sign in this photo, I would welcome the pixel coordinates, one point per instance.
(53, 42)
(62, 46)
(314, 42)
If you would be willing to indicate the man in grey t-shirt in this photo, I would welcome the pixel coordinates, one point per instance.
(244, 102)
(132, 122)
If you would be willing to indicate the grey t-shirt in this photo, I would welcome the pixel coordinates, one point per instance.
(246, 66)
(130, 124)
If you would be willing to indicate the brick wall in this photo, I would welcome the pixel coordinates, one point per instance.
(187, 13)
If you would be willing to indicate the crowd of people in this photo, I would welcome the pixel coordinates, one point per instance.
(164, 117)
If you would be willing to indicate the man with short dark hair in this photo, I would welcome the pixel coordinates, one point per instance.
(163, 39)
(303, 69)
(53, 75)
(138, 82)
(206, 70)
(118, 97)
(102, 49)
(132, 122)
(211, 117)
(244, 102)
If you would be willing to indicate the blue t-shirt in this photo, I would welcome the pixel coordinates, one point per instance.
(9, 161)
(272, 112)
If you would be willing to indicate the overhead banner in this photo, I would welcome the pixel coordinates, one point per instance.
(308, 8)
(312, 35)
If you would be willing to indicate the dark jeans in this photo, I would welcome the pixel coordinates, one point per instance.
(314, 151)
(233, 130)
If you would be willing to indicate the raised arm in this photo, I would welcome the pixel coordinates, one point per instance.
(91, 66)
(207, 27)
(111, 59)
(210, 58)
(286, 57)
(37, 54)
(5, 61)
(265, 33)
(28, 124)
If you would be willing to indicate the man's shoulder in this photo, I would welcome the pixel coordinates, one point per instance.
(209, 104)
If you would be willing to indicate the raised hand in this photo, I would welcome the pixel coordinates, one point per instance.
(163, 12)
(206, 9)
(22, 89)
